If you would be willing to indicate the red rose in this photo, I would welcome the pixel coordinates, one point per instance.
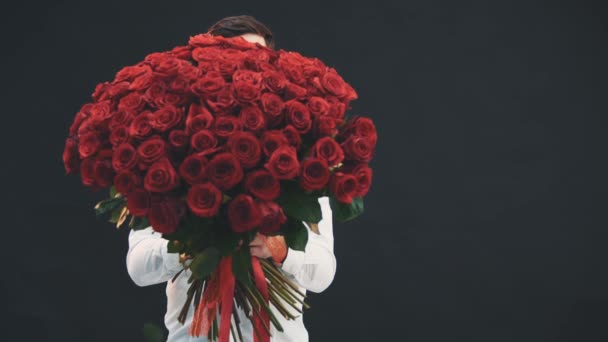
(271, 140)
(154, 92)
(78, 119)
(125, 157)
(298, 115)
(161, 176)
(246, 147)
(192, 169)
(202, 54)
(314, 69)
(225, 126)
(87, 171)
(334, 84)
(151, 150)
(273, 81)
(71, 159)
(273, 106)
(224, 170)
(179, 84)
(203, 140)
(119, 135)
(101, 111)
(318, 106)
(168, 67)
(254, 58)
(170, 99)
(126, 181)
(294, 91)
(164, 215)
(337, 108)
(293, 136)
(204, 199)
(101, 91)
(315, 174)
(228, 65)
(328, 149)
(118, 89)
(142, 81)
(167, 118)
(89, 144)
(103, 168)
(283, 162)
(363, 173)
(88, 125)
(245, 92)
(224, 102)
(358, 149)
(361, 127)
(291, 64)
(247, 76)
(209, 84)
(132, 103)
(263, 185)
(140, 126)
(324, 126)
(178, 139)
(343, 186)
(120, 119)
(272, 217)
(252, 118)
(203, 39)
(198, 118)
(181, 52)
(138, 202)
(243, 213)
(129, 73)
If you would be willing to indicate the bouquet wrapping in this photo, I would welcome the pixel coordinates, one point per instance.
(216, 141)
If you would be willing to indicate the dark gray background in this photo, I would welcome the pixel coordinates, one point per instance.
(486, 220)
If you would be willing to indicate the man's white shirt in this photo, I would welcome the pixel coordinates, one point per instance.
(313, 269)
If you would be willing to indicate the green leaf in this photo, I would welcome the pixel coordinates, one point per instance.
(113, 191)
(205, 262)
(227, 243)
(138, 223)
(296, 234)
(241, 265)
(345, 212)
(172, 247)
(299, 204)
(108, 205)
(153, 333)
(116, 214)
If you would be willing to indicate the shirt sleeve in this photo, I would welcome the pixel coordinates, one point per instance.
(148, 261)
(315, 267)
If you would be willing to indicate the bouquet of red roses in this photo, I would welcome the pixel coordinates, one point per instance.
(213, 142)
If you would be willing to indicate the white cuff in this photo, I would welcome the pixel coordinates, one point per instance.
(293, 261)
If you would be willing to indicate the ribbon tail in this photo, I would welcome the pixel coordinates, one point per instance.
(227, 298)
(260, 282)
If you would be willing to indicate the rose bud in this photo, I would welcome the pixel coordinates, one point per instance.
(328, 149)
(315, 174)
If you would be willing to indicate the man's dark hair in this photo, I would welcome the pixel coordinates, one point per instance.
(241, 24)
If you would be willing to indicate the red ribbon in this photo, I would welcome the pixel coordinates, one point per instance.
(263, 319)
(219, 292)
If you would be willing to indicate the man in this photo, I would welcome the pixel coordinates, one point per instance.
(149, 263)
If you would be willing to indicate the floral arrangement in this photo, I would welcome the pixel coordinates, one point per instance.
(213, 142)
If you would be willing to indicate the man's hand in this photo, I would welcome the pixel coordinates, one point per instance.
(269, 246)
(258, 247)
